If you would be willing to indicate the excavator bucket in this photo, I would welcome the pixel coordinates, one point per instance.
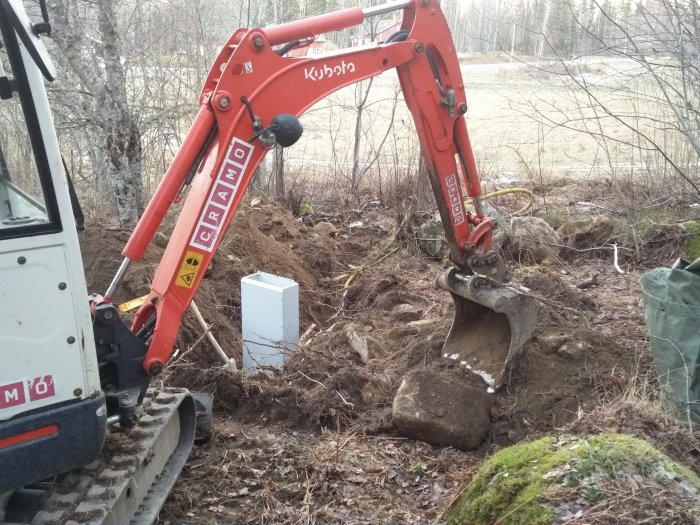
(491, 325)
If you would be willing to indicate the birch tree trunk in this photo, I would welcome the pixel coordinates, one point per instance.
(97, 62)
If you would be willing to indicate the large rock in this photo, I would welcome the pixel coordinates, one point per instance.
(587, 233)
(574, 350)
(440, 410)
(692, 242)
(533, 237)
(524, 484)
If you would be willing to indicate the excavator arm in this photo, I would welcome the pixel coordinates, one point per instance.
(251, 101)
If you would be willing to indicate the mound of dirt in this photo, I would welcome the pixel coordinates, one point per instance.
(579, 353)
(371, 314)
(389, 298)
(265, 238)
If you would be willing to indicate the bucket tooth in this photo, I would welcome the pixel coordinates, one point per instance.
(490, 327)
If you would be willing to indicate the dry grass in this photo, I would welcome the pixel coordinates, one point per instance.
(637, 408)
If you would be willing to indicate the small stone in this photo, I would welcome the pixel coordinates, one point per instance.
(406, 313)
(255, 202)
(592, 280)
(411, 328)
(401, 331)
(441, 410)
(550, 343)
(160, 240)
(574, 350)
(326, 228)
(366, 346)
(374, 393)
(422, 323)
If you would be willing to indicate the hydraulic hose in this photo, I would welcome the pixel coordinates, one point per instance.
(508, 191)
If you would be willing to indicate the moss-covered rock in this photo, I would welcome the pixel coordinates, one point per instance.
(510, 487)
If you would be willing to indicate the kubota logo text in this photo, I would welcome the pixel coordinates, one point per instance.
(314, 73)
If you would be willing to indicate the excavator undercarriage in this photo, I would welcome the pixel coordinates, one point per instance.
(130, 480)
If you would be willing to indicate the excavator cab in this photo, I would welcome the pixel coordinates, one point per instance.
(59, 401)
(52, 410)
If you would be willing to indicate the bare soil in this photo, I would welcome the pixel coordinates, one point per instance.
(315, 443)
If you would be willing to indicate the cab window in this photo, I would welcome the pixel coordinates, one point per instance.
(27, 199)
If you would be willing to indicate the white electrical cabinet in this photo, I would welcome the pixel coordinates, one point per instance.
(270, 320)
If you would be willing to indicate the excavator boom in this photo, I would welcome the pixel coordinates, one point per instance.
(251, 88)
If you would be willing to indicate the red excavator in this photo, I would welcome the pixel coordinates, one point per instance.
(82, 437)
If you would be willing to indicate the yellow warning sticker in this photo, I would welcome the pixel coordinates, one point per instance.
(134, 303)
(189, 269)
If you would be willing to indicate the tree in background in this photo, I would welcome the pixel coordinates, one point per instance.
(130, 75)
(94, 56)
(650, 51)
(317, 7)
(132, 70)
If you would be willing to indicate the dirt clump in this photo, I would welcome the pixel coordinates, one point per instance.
(552, 287)
(283, 246)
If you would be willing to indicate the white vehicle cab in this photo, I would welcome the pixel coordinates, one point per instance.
(51, 403)
(70, 370)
